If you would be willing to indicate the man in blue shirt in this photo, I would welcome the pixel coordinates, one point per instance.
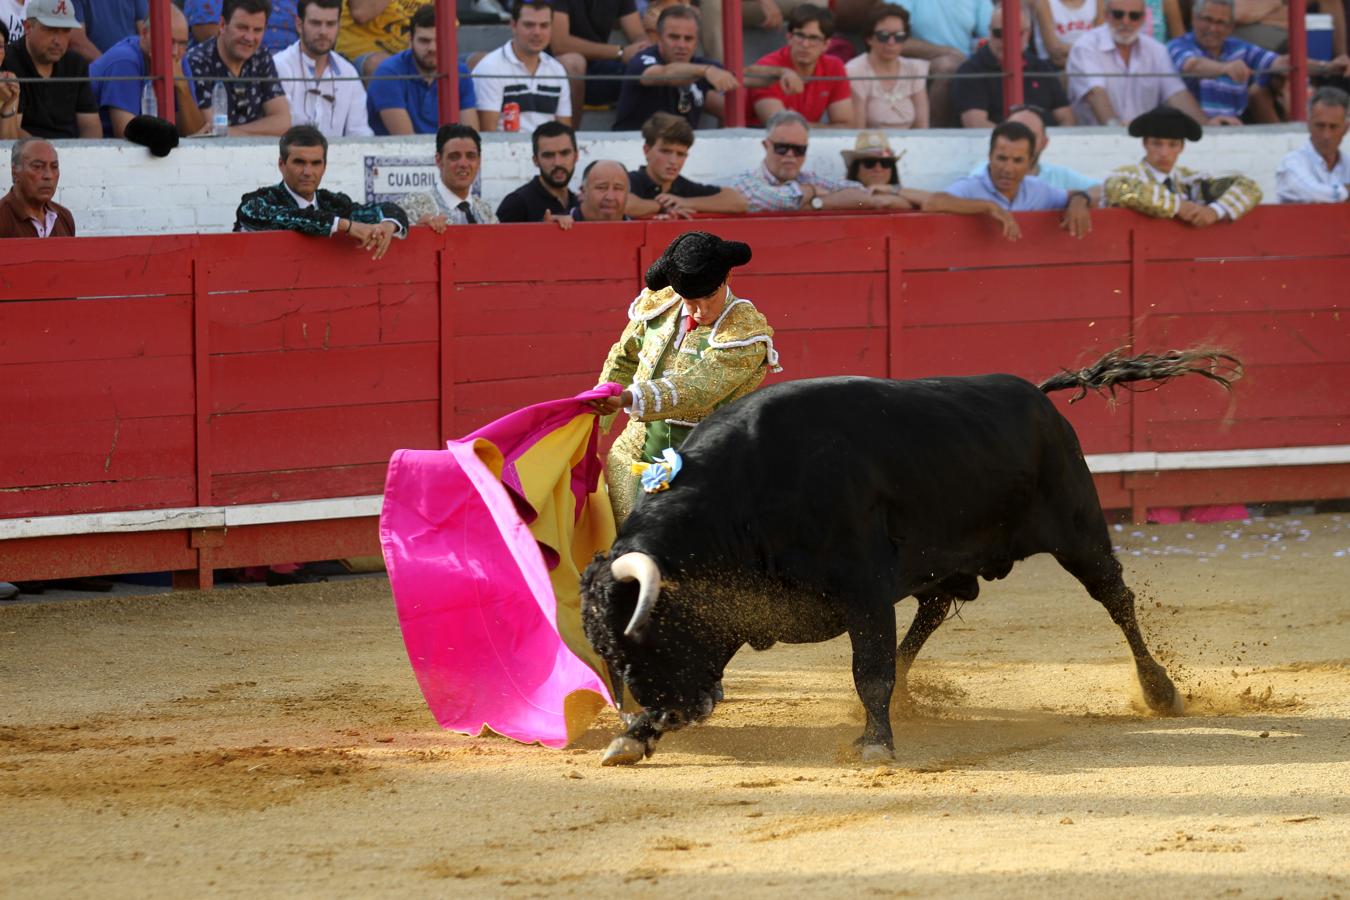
(120, 101)
(409, 105)
(1005, 187)
(1220, 69)
(945, 32)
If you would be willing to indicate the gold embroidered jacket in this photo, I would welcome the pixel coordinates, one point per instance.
(1139, 188)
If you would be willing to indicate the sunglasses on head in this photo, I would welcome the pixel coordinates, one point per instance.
(783, 148)
(1134, 15)
(889, 37)
(876, 162)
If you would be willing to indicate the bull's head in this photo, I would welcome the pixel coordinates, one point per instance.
(658, 642)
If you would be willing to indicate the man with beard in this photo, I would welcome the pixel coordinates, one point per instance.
(409, 105)
(459, 154)
(1158, 187)
(670, 78)
(547, 195)
(659, 187)
(1004, 187)
(1116, 73)
(325, 92)
(255, 107)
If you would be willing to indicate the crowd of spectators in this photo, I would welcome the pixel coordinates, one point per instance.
(360, 67)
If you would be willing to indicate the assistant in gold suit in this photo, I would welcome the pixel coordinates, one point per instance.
(690, 346)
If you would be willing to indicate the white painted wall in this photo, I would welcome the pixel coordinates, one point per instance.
(118, 188)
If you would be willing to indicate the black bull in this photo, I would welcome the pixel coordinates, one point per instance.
(810, 508)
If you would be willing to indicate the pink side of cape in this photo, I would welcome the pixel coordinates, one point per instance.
(471, 586)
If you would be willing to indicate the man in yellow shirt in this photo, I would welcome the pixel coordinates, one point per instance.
(371, 31)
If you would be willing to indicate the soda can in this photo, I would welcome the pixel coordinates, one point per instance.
(510, 117)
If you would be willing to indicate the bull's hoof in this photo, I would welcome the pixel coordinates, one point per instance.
(1159, 693)
(623, 751)
(875, 753)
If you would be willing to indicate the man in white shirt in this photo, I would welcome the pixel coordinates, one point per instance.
(1100, 95)
(337, 108)
(459, 154)
(1318, 172)
(512, 74)
(11, 20)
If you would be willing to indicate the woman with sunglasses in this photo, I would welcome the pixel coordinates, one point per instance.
(888, 89)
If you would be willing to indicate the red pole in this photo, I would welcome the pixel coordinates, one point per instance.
(733, 50)
(447, 62)
(161, 58)
(1298, 61)
(1012, 54)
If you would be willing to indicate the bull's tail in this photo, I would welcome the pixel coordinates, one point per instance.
(1115, 369)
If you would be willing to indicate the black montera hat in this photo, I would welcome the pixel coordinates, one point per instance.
(1166, 122)
(159, 135)
(695, 263)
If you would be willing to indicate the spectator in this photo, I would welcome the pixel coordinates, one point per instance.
(785, 71)
(979, 101)
(873, 164)
(204, 17)
(107, 22)
(1163, 19)
(537, 82)
(371, 31)
(545, 196)
(888, 90)
(1158, 187)
(581, 30)
(11, 21)
(944, 32)
(459, 154)
(60, 109)
(336, 107)
(299, 204)
(1224, 69)
(1006, 186)
(28, 210)
(1099, 59)
(9, 100)
(120, 101)
(673, 79)
(256, 107)
(1318, 172)
(1061, 22)
(765, 14)
(1265, 23)
(1036, 119)
(666, 141)
(651, 14)
(779, 184)
(403, 105)
(603, 197)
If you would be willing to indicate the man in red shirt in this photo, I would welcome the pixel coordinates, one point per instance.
(778, 81)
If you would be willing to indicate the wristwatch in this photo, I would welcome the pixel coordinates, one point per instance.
(817, 202)
(619, 55)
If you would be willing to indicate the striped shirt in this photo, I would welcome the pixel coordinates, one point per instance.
(1221, 96)
(541, 99)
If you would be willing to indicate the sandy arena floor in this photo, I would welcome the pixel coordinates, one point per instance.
(274, 742)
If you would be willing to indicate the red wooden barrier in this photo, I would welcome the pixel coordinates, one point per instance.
(190, 372)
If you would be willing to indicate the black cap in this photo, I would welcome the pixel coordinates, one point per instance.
(1166, 122)
(695, 264)
(159, 135)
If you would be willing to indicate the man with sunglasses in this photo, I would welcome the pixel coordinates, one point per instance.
(1156, 186)
(670, 78)
(979, 101)
(780, 185)
(120, 101)
(1117, 73)
(1005, 186)
(317, 96)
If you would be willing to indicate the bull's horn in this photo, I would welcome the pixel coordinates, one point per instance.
(641, 568)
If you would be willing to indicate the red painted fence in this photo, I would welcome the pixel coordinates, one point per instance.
(198, 372)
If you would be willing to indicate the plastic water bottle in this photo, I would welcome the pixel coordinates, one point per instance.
(220, 110)
(149, 103)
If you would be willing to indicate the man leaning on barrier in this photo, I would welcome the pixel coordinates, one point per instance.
(1005, 186)
(459, 154)
(298, 204)
(1318, 172)
(1158, 187)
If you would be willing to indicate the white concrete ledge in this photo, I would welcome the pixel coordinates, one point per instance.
(360, 507)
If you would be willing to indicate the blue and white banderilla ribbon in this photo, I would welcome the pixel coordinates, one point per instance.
(657, 476)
